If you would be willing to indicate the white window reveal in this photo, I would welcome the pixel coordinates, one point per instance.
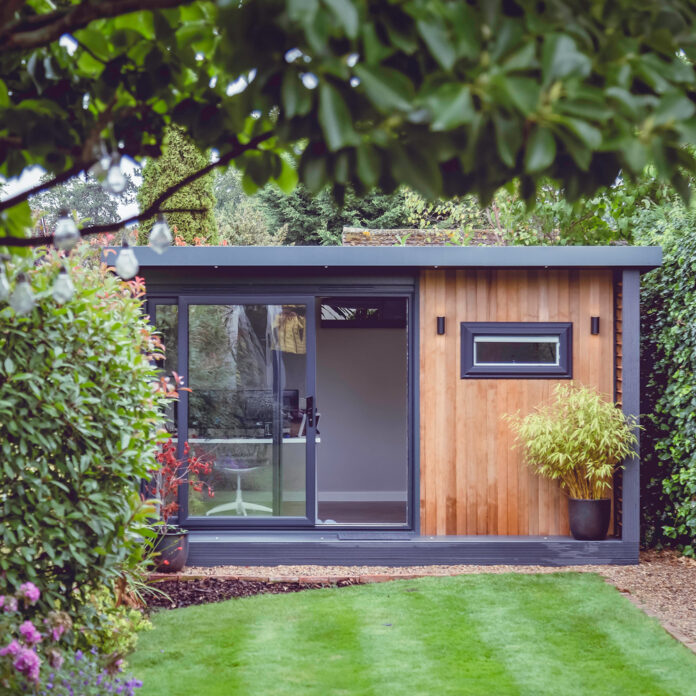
(533, 350)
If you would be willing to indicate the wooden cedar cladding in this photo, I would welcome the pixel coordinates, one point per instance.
(472, 480)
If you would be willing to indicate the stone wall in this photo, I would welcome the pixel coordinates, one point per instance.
(357, 236)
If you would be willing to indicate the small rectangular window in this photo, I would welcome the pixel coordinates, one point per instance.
(516, 349)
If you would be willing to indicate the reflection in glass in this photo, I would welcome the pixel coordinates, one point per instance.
(516, 350)
(247, 374)
(166, 320)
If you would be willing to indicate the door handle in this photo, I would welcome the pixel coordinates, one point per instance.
(310, 411)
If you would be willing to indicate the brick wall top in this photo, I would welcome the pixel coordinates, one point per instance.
(357, 236)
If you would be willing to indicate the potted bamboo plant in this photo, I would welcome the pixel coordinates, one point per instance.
(171, 541)
(579, 439)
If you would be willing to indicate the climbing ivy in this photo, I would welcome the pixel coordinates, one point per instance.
(668, 369)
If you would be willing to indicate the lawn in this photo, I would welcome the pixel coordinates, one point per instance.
(492, 635)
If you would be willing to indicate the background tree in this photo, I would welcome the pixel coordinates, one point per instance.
(610, 215)
(240, 218)
(180, 159)
(319, 219)
(83, 195)
(271, 217)
(449, 98)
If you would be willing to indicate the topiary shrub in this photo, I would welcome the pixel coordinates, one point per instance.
(180, 158)
(668, 371)
(78, 421)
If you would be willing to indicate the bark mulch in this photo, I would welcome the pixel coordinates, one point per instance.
(663, 584)
(187, 592)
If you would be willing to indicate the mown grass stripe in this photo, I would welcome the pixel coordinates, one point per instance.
(554, 640)
(659, 659)
(312, 650)
(406, 628)
(506, 635)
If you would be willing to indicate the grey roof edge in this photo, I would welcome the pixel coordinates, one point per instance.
(641, 258)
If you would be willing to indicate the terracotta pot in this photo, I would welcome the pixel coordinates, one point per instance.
(589, 519)
(172, 551)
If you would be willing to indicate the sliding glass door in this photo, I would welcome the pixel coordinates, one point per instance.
(249, 414)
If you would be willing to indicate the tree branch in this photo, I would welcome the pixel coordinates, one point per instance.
(153, 209)
(40, 30)
(44, 186)
(8, 10)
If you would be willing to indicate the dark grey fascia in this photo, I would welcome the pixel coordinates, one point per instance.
(306, 257)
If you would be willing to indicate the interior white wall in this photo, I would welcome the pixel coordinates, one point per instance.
(362, 397)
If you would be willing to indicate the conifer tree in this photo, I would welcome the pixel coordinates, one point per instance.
(179, 159)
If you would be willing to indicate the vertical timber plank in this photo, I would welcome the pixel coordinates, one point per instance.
(461, 436)
(450, 383)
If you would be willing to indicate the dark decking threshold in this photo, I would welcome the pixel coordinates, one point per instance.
(401, 549)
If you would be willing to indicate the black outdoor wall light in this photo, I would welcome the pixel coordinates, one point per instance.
(440, 326)
(594, 325)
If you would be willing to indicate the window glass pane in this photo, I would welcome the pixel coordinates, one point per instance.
(247, 373)
(343, 312)
(166, 319)
(515, 350)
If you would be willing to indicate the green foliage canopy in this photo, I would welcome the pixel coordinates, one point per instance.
(78, 419)
(84, 196)
(611, 214)
(241, 219)
(450, 98)
(318, 219)
(668, 370)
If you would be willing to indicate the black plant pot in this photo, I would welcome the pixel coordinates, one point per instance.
(172, 551)
(589, 519)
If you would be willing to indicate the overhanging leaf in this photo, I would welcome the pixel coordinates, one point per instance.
(451, 106)
(561, 58)
(508, 137)
(347, 13)
(540, 150)
(386, 88)
(335, 119)
(434, 33)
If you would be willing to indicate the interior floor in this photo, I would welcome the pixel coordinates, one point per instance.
(367, 513)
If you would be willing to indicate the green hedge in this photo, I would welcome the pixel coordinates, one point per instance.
(78, 418)
(668, 369)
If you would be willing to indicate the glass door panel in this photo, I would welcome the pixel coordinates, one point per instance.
(165, 317)
(247, 416)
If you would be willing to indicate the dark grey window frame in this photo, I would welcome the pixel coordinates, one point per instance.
(471, 329)
(171, 291)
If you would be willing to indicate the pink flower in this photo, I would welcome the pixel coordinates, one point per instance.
(10, 605)
(28, 663)
(57, 632)
(30, 591)
(29, 632)
(12, 649)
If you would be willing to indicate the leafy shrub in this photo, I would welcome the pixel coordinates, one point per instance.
(78, 420)
(578, 439)
(115, 632)
(668, 371)
(37, 654)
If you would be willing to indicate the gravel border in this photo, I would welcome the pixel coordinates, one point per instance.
(663, 584)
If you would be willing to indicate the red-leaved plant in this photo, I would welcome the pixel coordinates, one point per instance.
(174, 472)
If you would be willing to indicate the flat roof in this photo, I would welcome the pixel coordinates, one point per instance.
(629, 257)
